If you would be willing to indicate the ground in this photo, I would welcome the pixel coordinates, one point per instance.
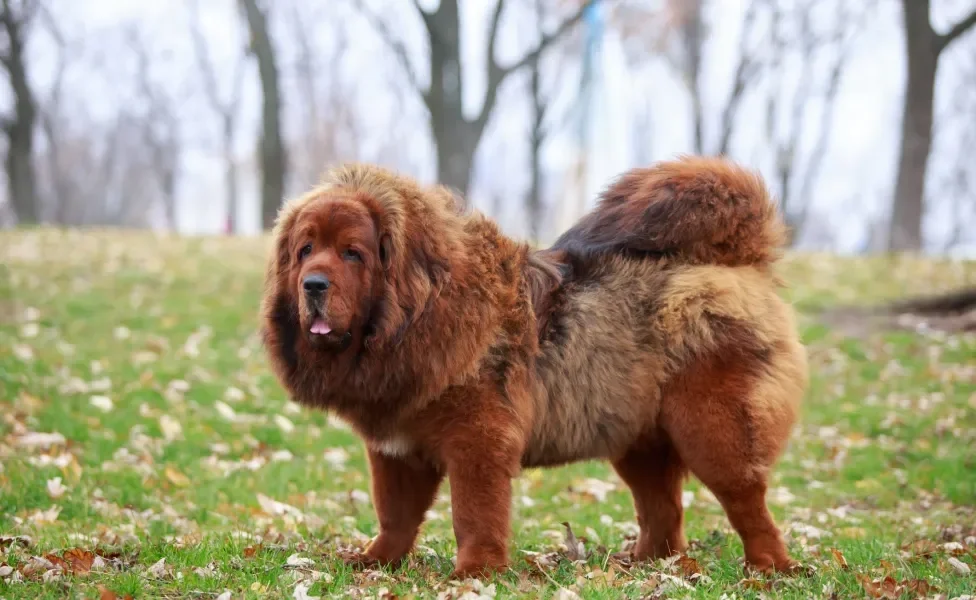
(146, 450)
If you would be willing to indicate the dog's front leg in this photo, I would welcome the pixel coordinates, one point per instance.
(403, 490)
(481, 462)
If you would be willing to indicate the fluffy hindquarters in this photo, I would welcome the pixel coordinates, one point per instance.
(726, 419)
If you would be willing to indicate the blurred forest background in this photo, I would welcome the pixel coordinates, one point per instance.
(199, 116)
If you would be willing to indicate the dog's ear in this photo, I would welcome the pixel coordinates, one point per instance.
(280, 256)
(386, 247)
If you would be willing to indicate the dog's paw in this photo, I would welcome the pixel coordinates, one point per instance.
(789, 568)
(359, 560)
(477, 571)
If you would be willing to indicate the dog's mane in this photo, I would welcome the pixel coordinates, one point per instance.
(434, 249)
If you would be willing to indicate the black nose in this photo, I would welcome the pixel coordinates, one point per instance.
(315, 284)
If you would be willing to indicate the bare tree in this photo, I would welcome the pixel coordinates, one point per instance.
(542, 125)
(456, 136)
(794, 36)
(680, 31)
(16, 19)
(224, 106)
(923, 48)
(50, 117)
(685, 21)
(159, 128)
(271, 145)
(329, 128)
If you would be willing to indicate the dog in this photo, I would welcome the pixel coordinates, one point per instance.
(649, 335)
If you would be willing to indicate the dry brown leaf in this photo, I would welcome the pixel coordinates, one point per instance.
(9, 540)
(922, 548)
(688, 566)
(574, 548)
(176, 478)
(839, 558)
(919, 587)
(250, 551)
(880, 588)
(36, 565)
(79, 561)
(106, 594)
(755, 584)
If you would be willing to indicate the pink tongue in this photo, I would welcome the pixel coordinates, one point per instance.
(319, 326)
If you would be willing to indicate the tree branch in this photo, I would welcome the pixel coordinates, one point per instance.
(957, 30)
(394, 43)
(497, 73)
(207, 74)
(744, 72)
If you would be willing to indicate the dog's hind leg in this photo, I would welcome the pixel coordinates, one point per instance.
(654, 473)
(729, 421)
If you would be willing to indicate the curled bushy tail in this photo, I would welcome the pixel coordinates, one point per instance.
(695, 210)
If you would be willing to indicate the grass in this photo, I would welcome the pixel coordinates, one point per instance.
(175, 467)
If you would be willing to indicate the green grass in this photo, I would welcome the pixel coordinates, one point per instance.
(199, 445)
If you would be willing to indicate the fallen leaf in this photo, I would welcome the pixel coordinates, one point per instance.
(595, 488)
(225, 411)
(755, 584)
(5, 570)
(960, 567)
(170, 427)
(250, 551)
(299, 561)
(158, 569)
(274, 507)
(919, 587)
(688, 566)
(176, 478)
(40, 440)
(566, 594)
(35, 565)
(102, 403)
(9, 540)
(225, 595)
(284, 423)
(574, 548)
(55, 489)
(880, 588)
(922, 548)
(336, 457)
(106, 594)
(839, 558)
(233, 394)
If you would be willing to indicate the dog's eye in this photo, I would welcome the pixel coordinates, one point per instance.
(305, 251)
(351, 254)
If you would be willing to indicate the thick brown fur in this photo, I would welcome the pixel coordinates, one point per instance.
(649, 335)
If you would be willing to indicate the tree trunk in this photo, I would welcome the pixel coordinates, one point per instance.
(271, 148)
(455, 155)
(20, 173)
(230, 175)
(19, 163)
(693, 39)
(534, 200)
(922, 51)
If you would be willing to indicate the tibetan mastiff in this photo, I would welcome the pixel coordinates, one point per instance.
(649, 335)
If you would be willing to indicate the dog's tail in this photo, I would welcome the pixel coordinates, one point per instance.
(695, 210)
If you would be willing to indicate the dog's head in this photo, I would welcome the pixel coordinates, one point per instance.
(336, 256)
(355, 261)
